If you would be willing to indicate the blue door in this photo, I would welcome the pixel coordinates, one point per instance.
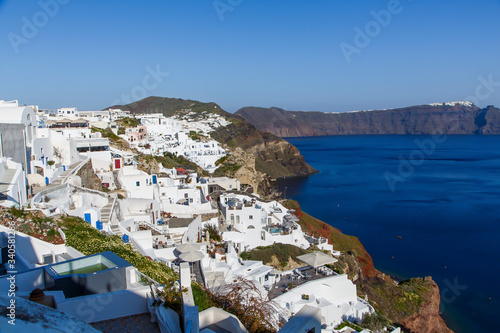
(88, 218)
(98, 224)
(46, 180)
(154, 179)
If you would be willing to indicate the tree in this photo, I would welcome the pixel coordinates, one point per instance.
(243, 299)
(374, 322)
(213, 232)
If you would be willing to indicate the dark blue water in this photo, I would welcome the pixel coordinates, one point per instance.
(442, 197)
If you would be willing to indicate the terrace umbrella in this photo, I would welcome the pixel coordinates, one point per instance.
(317, 259)
(191, 256)
(189, 247)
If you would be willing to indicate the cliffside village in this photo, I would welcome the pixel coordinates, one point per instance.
(170, 217)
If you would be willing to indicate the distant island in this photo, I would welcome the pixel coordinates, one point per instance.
(436, 118)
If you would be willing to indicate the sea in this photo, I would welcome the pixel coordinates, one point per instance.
(421, 206)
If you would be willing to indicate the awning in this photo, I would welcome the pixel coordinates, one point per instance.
(189, 247)
(192, 256)
(317, 259)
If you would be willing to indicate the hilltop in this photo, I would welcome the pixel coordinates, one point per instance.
(255, 154)
(442, 118)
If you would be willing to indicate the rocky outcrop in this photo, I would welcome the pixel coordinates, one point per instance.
(272, 155)
(412, 304)
(459, 118)
(427, 319)
(89, 178)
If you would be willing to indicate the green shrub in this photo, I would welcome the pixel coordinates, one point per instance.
(213, 232)
(88, 240)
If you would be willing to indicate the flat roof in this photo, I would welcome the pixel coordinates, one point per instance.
(177, 222)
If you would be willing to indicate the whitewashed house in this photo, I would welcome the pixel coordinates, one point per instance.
(138, 184)
(253, 222)
(12, 183)
(142, 211)
(17, 131)
(335, 296)
(67, 112)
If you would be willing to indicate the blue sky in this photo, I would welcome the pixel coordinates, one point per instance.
(91, 54)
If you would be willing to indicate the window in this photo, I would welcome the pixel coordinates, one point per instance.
(191, 200)
(250, 217)
(238, 219)
(137, 183)
(185, 195)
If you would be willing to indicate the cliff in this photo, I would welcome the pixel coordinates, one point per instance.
(264, 154)
(412, 304)
(446, 118)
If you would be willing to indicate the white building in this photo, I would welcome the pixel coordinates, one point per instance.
(335, 296)
(142, 211)
(219, 272)
(253, 222)
(12, 183)
(222, 184)
(68, 112)
(159, 134)
(17, 131)
(138, 184)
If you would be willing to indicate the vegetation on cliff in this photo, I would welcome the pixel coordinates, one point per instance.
(340, 241)
(114, 139)
(413, 304)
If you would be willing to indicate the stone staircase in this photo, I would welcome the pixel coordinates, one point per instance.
(106, 210)
(177, 238)
(115, 230)
(59, 180)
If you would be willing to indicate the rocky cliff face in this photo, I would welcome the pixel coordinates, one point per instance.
(460, 118)
(89, 178)
(412, 304)
(273, 155)
(427, 319)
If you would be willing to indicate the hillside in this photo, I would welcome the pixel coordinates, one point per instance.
(412, 304)
(258, 151)
(444, 118)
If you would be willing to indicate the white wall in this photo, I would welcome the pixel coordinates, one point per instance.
(194, 229)
(32, 249)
